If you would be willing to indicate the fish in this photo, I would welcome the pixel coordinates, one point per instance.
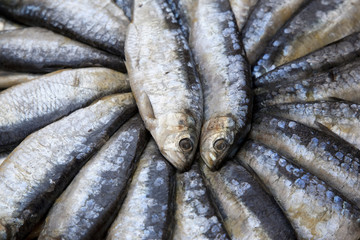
(328, 157)
(263, 23)
(338, 117)
(340, 82)
(242, 10)
(315, 210)
(224, 70)
(9, 79)
(164, 81)
(6, 24)
(247, 210)
(38, 170)
(148, 209)
(57, 94)
(86, 209)
(126, 6)
(316, 25)
(335, 54)
(101, 24)
(38, 50)
(196, 216)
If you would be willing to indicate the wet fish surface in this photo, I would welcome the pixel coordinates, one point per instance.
(196, 216)
(36, 49)
(184, 13)
(318, 24)
(223, 69)
(242, 10)
(341, 82)
(335, 54)
(126, 6)
(57, 94)
(9, 79)
(148, 209)
(339, 117)
(164, 81)
(328, 157)
(40, 168)
(264, 21)
(101, 24)
(6, 24)
(90, 203)
(248, 211)
(314, 209)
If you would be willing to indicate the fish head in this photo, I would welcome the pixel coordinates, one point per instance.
(177, 138)
(217, 137)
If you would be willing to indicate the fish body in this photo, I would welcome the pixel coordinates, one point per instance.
(126, 6)
(90, 203)
(264, 21)
(40, 168)
(196, 216)
(184, 13)
(242, 10)
(315, 210)
(6, 24)
(164, 81)
(332, 55)
(57, 94)
(316, 25)
(247, 210)
(328, 157)
(3, 156)
(9, 79)
(342, 82)
(148, 209)
(223, 70)
(101, 24)
(36, 49)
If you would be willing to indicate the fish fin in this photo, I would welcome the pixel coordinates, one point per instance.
(147, 110)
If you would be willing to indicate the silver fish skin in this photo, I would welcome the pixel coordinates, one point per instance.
(9, 79)
(36, 49)
(339, 117)
(328, 157)
(318, 24)
(264, 21)
(40, 168)
(332, 55)
(247, 210)
(148, 209)
(341, 82)
(242, 10)
(196, 216)
(6, 24)
(223, 70)
(101, 24)
(86, 209)
(164, 81)
(315, 210)
(184, 13)
(57, 94)
(126, 6)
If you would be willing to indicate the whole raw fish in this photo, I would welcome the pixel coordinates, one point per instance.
(40, 168)
(164, 82)
(30, 106)
(39, 50)
(9, 79)
(242, 10)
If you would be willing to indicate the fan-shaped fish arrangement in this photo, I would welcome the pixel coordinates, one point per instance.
(180, 119)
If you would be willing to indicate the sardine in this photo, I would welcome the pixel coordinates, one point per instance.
(39, 169)
(226, 80)
(328, 157)
(90, 203)
(100, 24)
(148, 209)
(265, 20)
(335, 54)
(163, 79)
(340, 117)
(242, 10)
(196, 216)
(126, 6)
(39, 50)
(30, 106)
(315, 210)
(341, 82)
(318, 24)
(248, 211)
(9, 79)
(6, 24)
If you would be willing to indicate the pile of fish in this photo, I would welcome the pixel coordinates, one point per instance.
(180, 119)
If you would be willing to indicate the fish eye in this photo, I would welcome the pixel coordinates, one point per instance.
(186, 144)
(220, 145)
